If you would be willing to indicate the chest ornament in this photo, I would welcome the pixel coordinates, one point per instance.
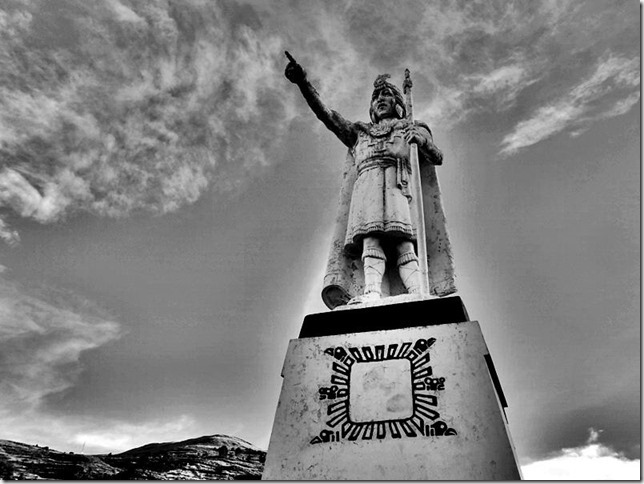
(383, 128)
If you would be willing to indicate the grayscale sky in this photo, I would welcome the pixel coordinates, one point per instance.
(167, 200)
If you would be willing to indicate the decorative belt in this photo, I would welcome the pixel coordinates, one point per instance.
(403, 170)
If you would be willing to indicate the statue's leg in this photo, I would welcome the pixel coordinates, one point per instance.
(373, 259)
(408, 267)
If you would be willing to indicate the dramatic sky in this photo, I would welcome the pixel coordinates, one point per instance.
(167, 201)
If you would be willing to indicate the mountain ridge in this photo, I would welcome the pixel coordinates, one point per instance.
(209, 457)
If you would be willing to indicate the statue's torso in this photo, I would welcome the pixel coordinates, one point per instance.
(382, 143)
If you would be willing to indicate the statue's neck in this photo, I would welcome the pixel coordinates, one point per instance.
(386, 121)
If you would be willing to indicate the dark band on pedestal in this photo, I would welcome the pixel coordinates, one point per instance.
(379, 318)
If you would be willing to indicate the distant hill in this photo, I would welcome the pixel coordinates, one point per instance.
(212, 457)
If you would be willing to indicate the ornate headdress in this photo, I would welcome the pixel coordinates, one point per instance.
(381, 83)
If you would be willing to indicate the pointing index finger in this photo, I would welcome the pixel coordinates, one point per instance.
(290, 57)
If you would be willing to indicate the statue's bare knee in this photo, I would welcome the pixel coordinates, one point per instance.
(405, 247)
(369, 243)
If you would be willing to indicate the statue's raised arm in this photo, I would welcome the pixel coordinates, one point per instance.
(343, 129)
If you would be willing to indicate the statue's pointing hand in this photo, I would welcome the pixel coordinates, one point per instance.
(294, 71)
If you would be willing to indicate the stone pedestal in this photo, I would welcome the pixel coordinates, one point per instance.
(409, 394)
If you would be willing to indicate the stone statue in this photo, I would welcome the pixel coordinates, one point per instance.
(374, 249)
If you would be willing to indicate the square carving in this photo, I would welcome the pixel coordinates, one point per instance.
(381, 390)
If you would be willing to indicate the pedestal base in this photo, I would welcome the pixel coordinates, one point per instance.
(415, 403)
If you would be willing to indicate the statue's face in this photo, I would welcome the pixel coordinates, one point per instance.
(383, 104)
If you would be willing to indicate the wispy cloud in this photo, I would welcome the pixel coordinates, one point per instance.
(611, 90)
(478, 61)
(496, 90)
(118, 107)
(42, 337)
(592, 461)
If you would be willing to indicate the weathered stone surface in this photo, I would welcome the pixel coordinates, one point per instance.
(415, 403)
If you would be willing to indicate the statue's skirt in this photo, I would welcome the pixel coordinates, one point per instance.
(378, 208)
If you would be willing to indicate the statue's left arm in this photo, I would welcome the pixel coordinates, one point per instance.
(420, 134)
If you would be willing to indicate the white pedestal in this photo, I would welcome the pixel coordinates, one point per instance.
(415, 403)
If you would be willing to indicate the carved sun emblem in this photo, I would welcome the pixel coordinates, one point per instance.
(382, 391)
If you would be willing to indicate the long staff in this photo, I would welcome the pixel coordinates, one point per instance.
(417, 197)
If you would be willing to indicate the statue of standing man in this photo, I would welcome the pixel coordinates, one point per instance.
(374, 249)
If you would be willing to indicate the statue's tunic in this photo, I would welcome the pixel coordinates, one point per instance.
(374, 200)
(380, 199)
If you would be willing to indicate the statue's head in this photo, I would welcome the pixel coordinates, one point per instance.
(386, 101)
